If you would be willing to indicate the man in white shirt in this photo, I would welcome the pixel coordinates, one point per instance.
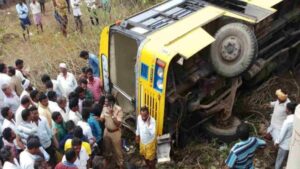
(53, 106)
(82, 156)
(25, 103)
(283, 141)
(74, 114)
(36, 12)
(75, 4)
(11, 99)
(66, 81)
(4, 79)
(20, 73)
(279, 114)
(146, 136)
(53, 86)
(86, 128)
(64, 109)
(27, 88)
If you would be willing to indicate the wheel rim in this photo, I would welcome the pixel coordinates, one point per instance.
(230, 49)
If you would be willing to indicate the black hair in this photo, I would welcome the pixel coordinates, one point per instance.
(83, 53)
(79, 90)
(243, 131)
(70, 154)
(25, 114)
(291, 107)
(32, 108)
(33, 142)
(5, 153)
(73, 103)
(101, 100)
(70, 125)
(38, 163)
(83, 69)
(73, 95)
(4, 112)
(45, 78)
(76, 142)
(52, 96)
(98, 162)
(55, 115)
(87, 103)
(25, 100)
(78, 132)
(2, 67)
(34, 93)
(110, 98)
(85, 113)
(145, 109)
(49, 84)
(96, 109)
(6, 133)
(42, 96)
(89, 70)
(11, 70)
(84, 81)
(19, 62)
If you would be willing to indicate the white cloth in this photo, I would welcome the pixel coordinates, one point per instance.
(66, 85)
(9, 165)
(80, 162)
(9, 124)
(286, 133)
(20, 75)
(64, 114)
(24, 93)
(146, 132)
(44, 132)
(86, 129)
(278, 116)
(53, 106)
(76, 7)
(91, 3)
(74, 116)
(56, 87)
(18, 114)
(27, 160)
(35, 8)
(4, 79)
(25, 129)
(13, 102)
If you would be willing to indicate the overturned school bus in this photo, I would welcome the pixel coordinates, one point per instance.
(185, 59)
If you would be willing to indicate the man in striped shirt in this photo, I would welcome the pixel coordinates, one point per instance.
(242, 153)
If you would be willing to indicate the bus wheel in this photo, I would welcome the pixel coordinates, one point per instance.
(224, 133)
(234, 49)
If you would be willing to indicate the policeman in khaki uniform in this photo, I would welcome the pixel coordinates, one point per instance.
(111, 116)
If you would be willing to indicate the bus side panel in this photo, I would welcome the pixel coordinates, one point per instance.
(103, 58)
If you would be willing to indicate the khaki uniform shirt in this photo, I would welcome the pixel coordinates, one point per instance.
(61, 7)
(117, 113)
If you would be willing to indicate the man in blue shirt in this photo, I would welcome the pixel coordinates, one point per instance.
(93, 61)
(242, 153)
(23, 12)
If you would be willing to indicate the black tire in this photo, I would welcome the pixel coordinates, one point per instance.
(227, 134)
(234, 49)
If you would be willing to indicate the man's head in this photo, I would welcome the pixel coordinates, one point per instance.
(73, 95)
(62, 102)
(34, 95)
(78, 132)
(52, 96)
(145, 113)
(40, 163)
(6, 154)
(83, 83)
(6, 89)
(49, 85)
(281, 95)
(70, 125)
(290, 107)
(57, 118)
(45, 78)
(11, 71)
(89, 73)
(109, 100)
(80, 92)
(34, 112)
(25, 102)
(27, 85)
(63, 68)
(85, 113)
(19, 63)
(33, 145)
(26, 115)
(43, 99)
(3, 68)
(70, 155)
(243, 131)
(73, 105)
(8, 134)
(7, 113)
(84, 54)
(76, 145)
(87, 104)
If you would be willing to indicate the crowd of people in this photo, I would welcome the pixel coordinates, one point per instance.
(70, 123)
(62, 8)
